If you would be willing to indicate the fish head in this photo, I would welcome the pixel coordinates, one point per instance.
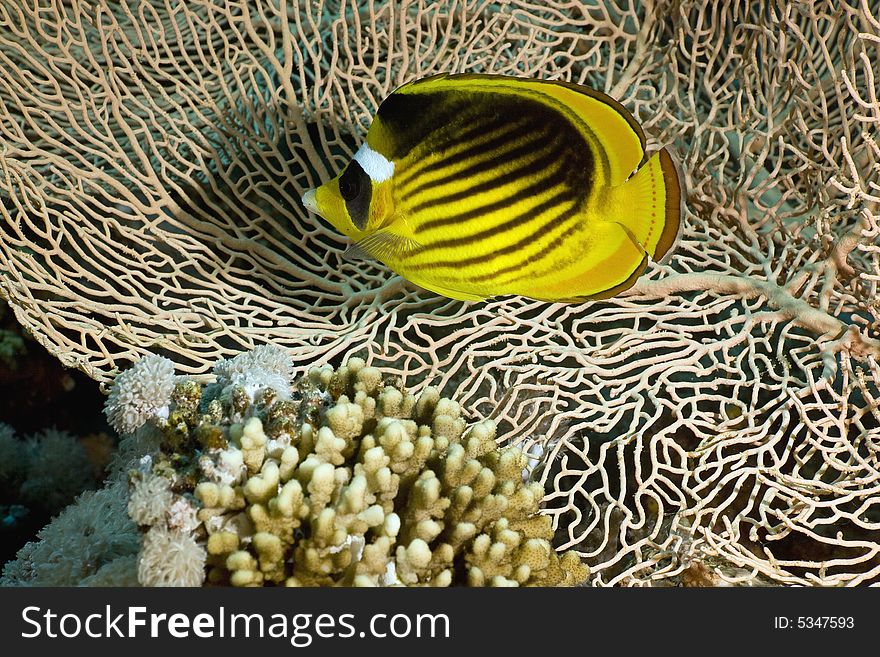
(358, 201)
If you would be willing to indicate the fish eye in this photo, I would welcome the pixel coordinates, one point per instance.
(356, 191)
(350, 182)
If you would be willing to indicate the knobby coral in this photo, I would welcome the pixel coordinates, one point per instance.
(726, 410)
(340, 479)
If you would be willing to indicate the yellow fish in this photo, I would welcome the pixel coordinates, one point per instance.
(474, 186)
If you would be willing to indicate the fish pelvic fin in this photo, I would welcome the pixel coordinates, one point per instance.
(649, 206)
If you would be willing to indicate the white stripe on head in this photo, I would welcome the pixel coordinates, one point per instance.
(376, 165)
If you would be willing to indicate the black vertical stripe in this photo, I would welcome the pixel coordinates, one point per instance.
(356, 191)
(423, 122)
(492, 161)
(481, 148)
(525, 168)
(556, 177)
(569, 213)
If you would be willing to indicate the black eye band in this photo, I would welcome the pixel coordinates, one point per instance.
(356, 190)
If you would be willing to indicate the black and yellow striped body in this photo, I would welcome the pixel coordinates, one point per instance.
(510, 186)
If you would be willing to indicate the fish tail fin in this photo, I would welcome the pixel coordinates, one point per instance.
(641, 220)
(649, 205)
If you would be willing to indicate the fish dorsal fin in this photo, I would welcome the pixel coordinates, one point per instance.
(383, 245)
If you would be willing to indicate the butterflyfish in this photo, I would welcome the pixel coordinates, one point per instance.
(474, 186)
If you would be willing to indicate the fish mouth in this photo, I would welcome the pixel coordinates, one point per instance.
(310, 201)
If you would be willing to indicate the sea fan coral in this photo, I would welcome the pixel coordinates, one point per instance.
(725, 411)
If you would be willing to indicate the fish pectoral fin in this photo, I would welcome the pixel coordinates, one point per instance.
(382, 245)
(355, 253)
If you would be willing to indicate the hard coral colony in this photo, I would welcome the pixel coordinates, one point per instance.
(339, 479)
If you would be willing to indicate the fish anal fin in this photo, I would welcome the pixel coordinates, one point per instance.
(635, 240)
(458, 295)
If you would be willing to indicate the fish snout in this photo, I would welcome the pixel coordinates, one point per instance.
(310, 201)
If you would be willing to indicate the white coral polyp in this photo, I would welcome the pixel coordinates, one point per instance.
(223, 466)
(182, 515)
(140, 394)
(266, 366)
(150, 500)
(170, 558)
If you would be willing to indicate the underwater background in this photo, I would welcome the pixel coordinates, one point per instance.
(717, 424)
